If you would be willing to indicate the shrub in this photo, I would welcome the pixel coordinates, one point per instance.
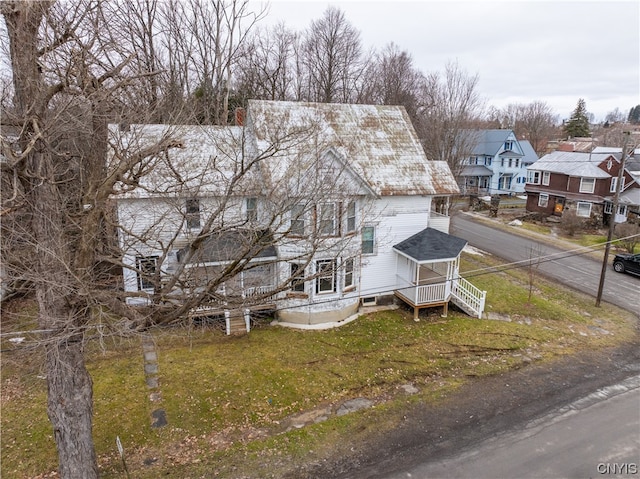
(629, 235)
(571, 223)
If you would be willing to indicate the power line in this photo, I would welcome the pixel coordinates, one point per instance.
(526, 263)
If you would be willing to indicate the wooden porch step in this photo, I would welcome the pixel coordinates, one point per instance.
(236, 323)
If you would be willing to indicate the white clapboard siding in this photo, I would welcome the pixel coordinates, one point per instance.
(399, 218)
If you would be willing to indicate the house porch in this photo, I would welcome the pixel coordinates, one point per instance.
(427, 274)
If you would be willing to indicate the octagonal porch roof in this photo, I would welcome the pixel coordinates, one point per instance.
(431, 246)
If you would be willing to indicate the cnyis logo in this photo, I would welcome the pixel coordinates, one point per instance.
(617, 468)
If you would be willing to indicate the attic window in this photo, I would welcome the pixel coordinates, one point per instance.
(351, 217)
(251, 205)
(297, 220)
(327, 219)
(192, 213)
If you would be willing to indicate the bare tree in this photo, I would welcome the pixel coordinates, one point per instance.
(331, 55)
(63, 170)
(534, 121)
(266, 65)
(200, 43)
(394, 80)
(615, 116)
(451, 109)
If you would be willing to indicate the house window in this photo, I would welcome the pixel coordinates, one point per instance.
(251, 209)
(349, 277)
(546, 177)
(517, 162)
(587, 185)
(608, 207)
(533, 177)
(501, 161)
(192, 213)
(583, 209)
(351, 217)
(327, 219)
(487, 161)
(508, 145)
(297, 278)
(146, 270)
(622, 210)
(297, 220)
(504, 183)
(368, 239)
(510, 162)
(614, 184)
(326, 280)
(543, 200)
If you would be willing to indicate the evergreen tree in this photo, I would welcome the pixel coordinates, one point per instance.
(634, 115)
(578, 124)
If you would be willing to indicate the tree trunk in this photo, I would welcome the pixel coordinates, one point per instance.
(62, 314)
(70, 408)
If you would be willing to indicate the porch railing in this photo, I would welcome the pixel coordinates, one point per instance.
(468, 297)
(426, 294)
(257, 291)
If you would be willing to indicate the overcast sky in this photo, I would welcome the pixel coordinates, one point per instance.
(523, 51)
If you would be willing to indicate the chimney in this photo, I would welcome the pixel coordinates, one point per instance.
(239, 114)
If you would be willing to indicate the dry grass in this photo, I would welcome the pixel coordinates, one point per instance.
(227, 399)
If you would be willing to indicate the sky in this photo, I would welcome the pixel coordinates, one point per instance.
(522, 51)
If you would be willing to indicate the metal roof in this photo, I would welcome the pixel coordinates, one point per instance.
(201, 162)
(476, 170)
(530, 155)
(489, 142)
(612, 149)
(630, 197)
(430, 245)
(573, 163)
(378, 142)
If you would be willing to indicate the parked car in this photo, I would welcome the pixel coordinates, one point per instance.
(627, 263)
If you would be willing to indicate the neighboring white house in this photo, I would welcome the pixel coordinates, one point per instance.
(497, 164)
(334, 211)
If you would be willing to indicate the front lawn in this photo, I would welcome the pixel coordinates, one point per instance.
(228, 400)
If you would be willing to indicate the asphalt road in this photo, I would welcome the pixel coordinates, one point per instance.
(598, 436)
(574, 268)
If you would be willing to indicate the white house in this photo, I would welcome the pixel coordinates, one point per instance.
(497, 163)
(309, 209)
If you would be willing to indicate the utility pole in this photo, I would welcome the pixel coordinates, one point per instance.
(612, 220)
